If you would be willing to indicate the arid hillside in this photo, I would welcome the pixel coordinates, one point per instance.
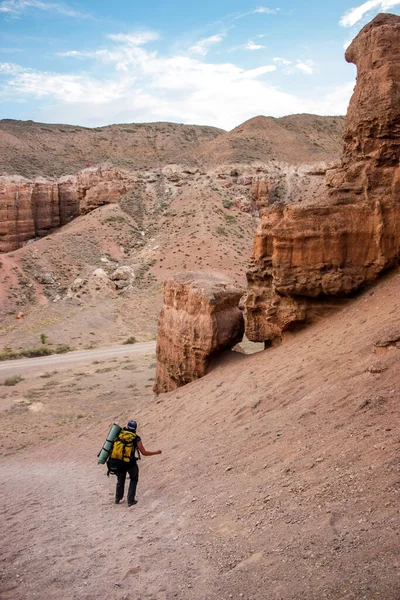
(279, 476)
(67, 284)
(294, 139)
(38, 149)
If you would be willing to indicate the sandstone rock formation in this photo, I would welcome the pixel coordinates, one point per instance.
(333, 244)
(200, 318)
(30, 209)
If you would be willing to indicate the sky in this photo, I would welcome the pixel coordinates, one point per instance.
(219, 63)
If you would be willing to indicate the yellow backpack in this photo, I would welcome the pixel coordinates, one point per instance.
(123, 445)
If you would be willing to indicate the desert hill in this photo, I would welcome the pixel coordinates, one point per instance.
(168, 222)
(37, 149)
(279, 476)
(294, 139)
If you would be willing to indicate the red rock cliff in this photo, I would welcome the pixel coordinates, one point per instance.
(331, 246)
(200, 317)
(30, 209)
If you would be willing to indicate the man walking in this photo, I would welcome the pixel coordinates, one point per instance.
(123, 460)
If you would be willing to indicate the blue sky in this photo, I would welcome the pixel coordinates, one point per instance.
(97, 62)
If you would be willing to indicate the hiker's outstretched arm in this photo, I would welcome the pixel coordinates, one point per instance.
(146, 452)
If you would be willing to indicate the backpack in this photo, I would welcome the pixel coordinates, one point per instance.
(123, 446)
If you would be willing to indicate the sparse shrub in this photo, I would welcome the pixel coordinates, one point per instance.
(130, 340)
(229, 218)
(48, 374)
(43, 338)
(13, 380)
(39, 351)
(114, 219)
(221, 231)
(8, 354)
(227, 203)
(62, 348)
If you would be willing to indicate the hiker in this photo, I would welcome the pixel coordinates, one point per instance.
(123, 460)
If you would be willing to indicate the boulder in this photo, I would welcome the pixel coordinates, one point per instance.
(349, 232)
(200, 318)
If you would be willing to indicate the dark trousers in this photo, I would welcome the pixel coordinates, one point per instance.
(133, 470)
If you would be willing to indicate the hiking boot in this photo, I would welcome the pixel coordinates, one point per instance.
(117, 501)
(133, 503)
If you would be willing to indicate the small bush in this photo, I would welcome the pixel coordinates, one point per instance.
(62, 349)
(130, 340)
(38, 351)
(13, 380)
(227, 203)
(8, 354)
(114, 219)
(43, 338)
(48, 374)
(221, 231)
(230, 218)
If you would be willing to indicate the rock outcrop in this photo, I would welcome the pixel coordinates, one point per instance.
(330, 245)
(200, 317)
(30, 209)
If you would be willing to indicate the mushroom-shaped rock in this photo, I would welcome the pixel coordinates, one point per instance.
(200, 318)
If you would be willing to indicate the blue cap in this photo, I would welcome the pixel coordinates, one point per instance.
(132, 425)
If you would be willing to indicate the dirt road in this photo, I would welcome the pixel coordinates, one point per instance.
(24, 365)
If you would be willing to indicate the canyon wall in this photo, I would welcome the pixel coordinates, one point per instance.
(200, 317)
(330, 244)
(30, 209)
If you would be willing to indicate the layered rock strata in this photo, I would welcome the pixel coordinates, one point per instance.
(200, 317)
(30, 209)
(331, 246)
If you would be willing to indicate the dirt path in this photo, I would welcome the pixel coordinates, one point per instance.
(56, 361)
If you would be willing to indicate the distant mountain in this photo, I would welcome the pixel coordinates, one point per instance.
(33, 149)
(294, 139)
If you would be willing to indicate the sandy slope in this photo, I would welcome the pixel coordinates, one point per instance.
(279, 477)
(167, 226)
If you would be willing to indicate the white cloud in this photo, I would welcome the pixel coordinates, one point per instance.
(334, 102)
(352, 16)
(289, 67)
(281, 61)
(8, 68)
(252, 46)
(71, 53)
(138, 38)
(265, 10)
(68, 88)
(259, 10)
(203, 46)
(306, 66)
(140, 85)
(14, 8)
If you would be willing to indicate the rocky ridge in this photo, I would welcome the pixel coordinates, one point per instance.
(33, 209)
(34, 149)
(350, 233)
